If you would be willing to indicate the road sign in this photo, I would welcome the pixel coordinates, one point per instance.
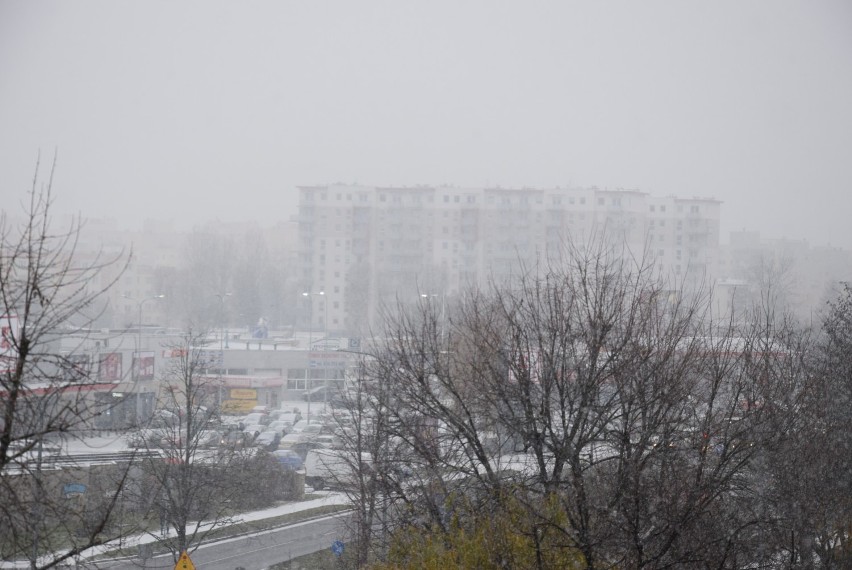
(337, 548)
(184, 563)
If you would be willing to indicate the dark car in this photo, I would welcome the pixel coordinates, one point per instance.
(267, 440)
(234, 440)
(288, 459)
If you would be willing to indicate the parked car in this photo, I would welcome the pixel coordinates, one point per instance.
(287, 415)
(289, 440)
(145, 438)
(253, 430)
(256, 418)
(267, 440)
(209, 438)
(233, 440)
(333, 468)
(280, 426)
(288, 459)
(310, 426)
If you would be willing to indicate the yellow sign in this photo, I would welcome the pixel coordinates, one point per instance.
(243, 394)
(238, 406)
(184, 563)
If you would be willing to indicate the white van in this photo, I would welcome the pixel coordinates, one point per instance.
(334, 468)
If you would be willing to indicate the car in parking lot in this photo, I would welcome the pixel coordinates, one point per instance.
(146, 438)
(280, 426)
(256, 418)
(267, 440)
(233, 440)
(307, 426)
(254, 430)
(288, 459)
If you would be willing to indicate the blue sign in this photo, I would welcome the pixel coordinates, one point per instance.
(70, 489)
(337, 548)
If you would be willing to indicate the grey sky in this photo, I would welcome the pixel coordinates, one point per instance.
(200, 110)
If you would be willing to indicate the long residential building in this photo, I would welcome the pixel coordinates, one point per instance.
(362, 246)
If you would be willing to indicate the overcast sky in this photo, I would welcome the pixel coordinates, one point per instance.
(195, 111)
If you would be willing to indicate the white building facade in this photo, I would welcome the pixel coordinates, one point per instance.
(362, 246)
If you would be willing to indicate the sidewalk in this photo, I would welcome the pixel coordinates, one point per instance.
(147, 538)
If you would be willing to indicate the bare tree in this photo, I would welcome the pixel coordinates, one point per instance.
(810, 485)
(200, 479)
(632, 426)
(193, 485)
(48, 288)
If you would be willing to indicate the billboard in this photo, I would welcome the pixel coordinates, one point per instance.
(109, 367)
(238, 406)
(143, 365)
(243, 394)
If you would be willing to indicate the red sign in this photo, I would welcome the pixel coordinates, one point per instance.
(109, 367)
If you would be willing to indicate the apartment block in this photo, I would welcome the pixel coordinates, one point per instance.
(363, 246)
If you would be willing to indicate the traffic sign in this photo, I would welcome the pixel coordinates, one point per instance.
(337, 548)
(184, 563)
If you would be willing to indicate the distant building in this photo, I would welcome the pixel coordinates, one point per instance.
(361, 246)
(793, 273)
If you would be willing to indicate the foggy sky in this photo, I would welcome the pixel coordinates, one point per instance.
(195, 111)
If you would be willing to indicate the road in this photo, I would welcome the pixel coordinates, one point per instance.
(255, 551)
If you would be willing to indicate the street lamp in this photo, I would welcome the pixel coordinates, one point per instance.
(309, 294)
(140, 303)
(222, 297)
(308, 385)
(429, 297)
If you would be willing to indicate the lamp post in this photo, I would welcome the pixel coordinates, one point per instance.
(308, 295)
(140, 303)
(222, 345)
(429, 297)
(223, 341)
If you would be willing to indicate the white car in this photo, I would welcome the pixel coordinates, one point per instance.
(326, 468)
(279, 426)
(310, 426)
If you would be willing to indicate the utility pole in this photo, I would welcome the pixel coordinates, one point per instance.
(136, 381)
(308, 386)
(223, 340)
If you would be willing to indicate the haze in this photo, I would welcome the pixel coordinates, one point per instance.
(197, 111)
